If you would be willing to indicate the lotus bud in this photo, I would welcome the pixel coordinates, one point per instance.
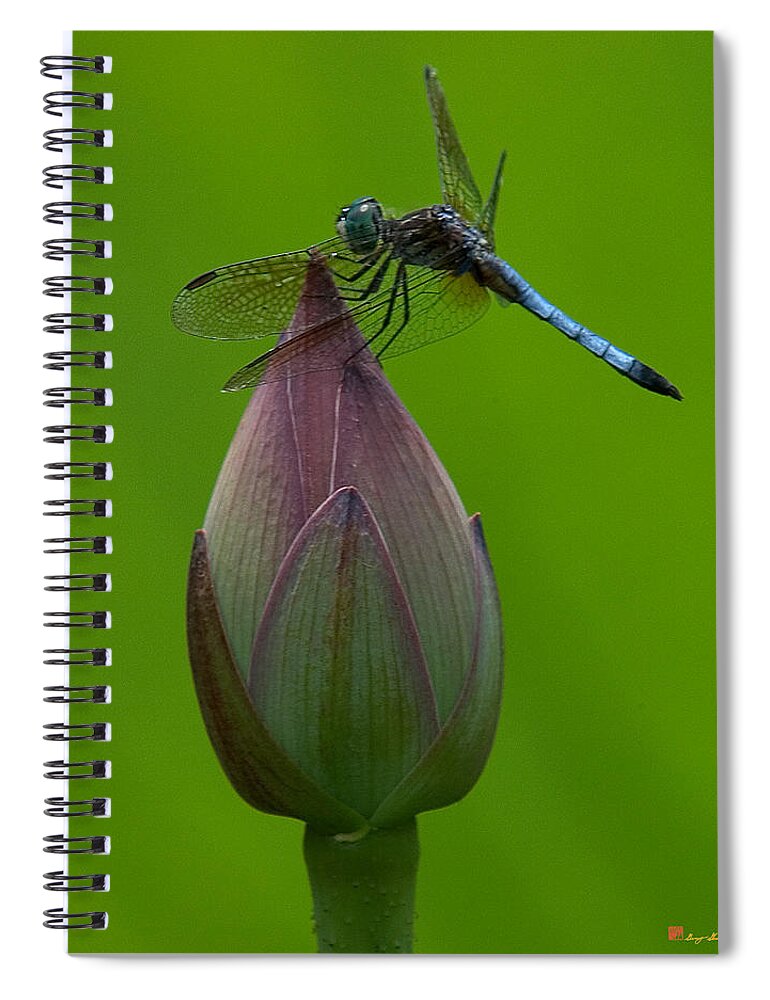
(343, 622)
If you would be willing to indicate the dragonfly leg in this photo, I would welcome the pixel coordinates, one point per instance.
(400, 277)
(398, 285)
(367, 265)
(374, 285)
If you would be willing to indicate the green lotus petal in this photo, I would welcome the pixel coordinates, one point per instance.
(452, 765)
(257, 767)
(337, 672)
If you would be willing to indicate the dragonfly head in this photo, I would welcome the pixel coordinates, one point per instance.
(360, 224)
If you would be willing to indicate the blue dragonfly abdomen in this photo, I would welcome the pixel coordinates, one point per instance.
(405, 282)
(498, 275)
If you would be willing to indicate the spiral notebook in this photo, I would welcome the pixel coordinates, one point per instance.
(406, 640)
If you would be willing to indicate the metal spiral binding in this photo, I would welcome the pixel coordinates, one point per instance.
(76, 770)
(54, 66)
(77, 508)
(59, 433)
(65, 395)
(55, 102)
(58, 211)
(78, 619)
(95, 582)
(94, 694)
(58, 806)
(90, 543)
(57, 919)
(93, 322)
(93, 657)
(62, 732)
(69, 883)
(58, 175)
(59, 844)
(90, 470)
(57, 138)
(71, 210)
(58, 360)
(59, 249)
(65, 284)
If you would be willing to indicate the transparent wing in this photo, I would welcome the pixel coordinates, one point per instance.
(428, 306)
(439, 306)
(458, 187)
(250, 299)
(309, 351)
(487, 219)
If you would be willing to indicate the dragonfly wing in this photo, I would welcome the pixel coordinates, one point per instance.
(250, 375)
(435, 305)
(487, 219)
(458, 187)
(311, 350)
(254, 298)
(439, 306)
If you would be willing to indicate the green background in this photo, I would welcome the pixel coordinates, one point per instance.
(593, 827)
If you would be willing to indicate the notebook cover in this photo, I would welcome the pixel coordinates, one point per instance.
(593, 827)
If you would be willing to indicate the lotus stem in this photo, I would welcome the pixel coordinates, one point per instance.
(363, 889)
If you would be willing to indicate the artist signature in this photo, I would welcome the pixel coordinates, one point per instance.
(677, 934)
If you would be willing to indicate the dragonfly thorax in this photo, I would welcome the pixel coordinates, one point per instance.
(360, 224)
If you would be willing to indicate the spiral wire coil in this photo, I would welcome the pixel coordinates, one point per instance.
(89, 543)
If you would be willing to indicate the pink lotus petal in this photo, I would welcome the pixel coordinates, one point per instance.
(304, 437)
(383, 452)
(452, 765)
(276, 473)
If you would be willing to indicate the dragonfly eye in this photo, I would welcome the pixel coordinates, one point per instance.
(360, 225)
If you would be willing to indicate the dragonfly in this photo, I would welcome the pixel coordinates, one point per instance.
(405, 281)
